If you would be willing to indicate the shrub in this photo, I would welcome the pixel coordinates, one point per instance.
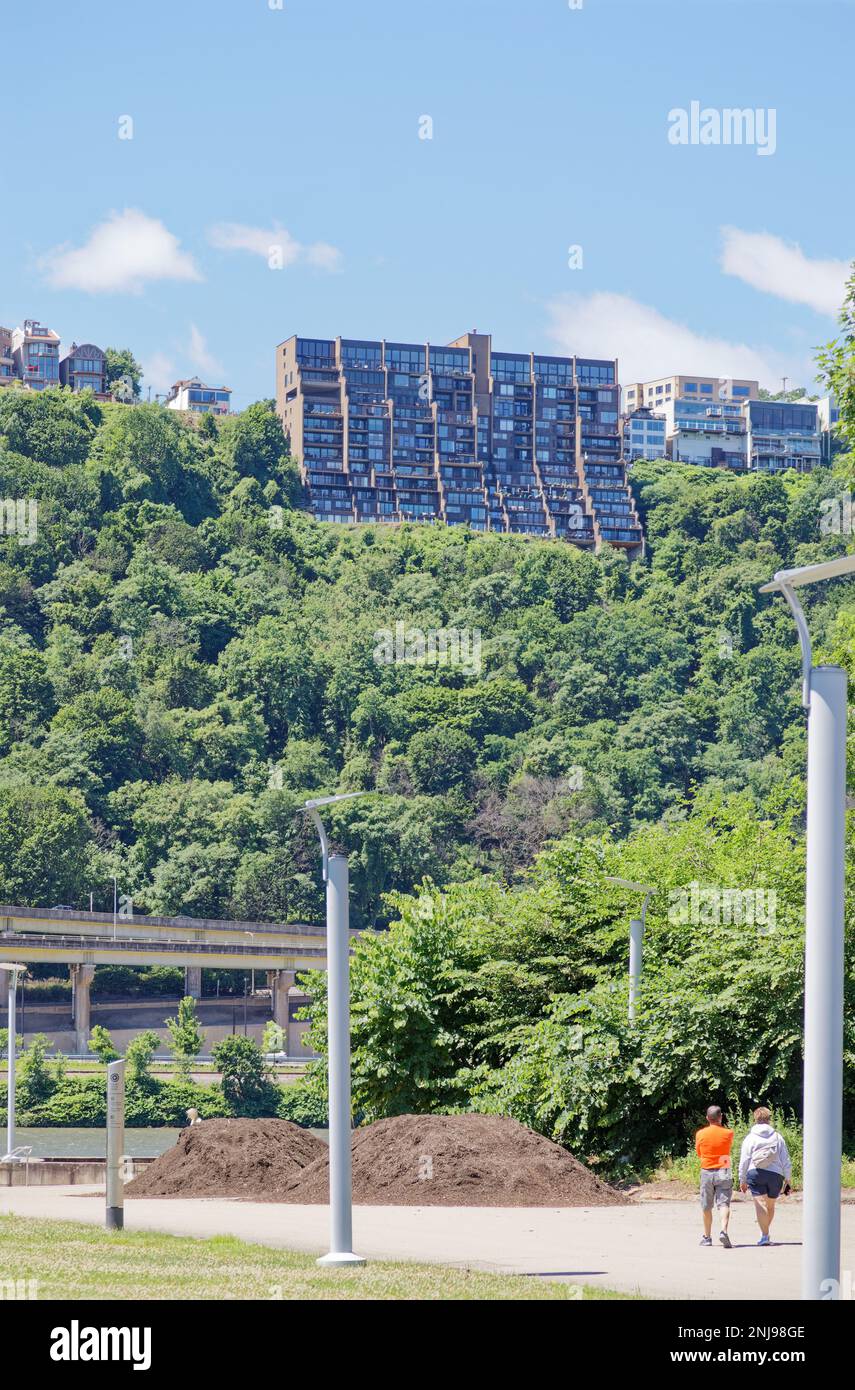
(304, 1106)
(140, 1054)
(186, 1035)
(246, 1077)
(101, 1044)
(36, 1082)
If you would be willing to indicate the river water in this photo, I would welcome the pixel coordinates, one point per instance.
(92, 1143)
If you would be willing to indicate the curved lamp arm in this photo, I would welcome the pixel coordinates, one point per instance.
(804, 640)
(325, 849)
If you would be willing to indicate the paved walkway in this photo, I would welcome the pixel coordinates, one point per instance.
(650, 1248)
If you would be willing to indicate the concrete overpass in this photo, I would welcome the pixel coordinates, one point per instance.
(82, 940)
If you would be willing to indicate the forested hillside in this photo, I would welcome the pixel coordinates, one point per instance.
(185, 655)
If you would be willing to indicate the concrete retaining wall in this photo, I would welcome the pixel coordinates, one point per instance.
(55, 1172)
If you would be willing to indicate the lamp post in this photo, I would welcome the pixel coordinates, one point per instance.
(636, 940)
(336, 877)
(824, 697)
(115, 904)
(14, 972)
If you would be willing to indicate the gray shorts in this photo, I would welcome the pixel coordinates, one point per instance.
(716, 1187)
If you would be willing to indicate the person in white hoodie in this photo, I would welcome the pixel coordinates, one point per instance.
(764, 1169)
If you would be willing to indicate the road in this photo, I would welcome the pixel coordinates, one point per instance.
(124, 1019)
(649, 1248)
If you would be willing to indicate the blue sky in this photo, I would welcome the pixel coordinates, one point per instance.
(299, 127)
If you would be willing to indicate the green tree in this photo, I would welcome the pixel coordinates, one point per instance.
(837, 363)
(37, 1081)
(46, 845)
(101, 1044)
(186, 1036)
(139, 1055)
(120, 362)
(53, 426)
(246, 1078)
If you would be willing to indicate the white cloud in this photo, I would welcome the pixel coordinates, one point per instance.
(324, 256)
(158, 372)
(202, 360)
(192, 357)
(781, 268)
(275, 245)
(121, 255)
(650, 345)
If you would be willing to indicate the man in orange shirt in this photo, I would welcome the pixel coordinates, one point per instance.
(712, 1145)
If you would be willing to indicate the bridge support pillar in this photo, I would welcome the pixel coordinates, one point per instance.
(193, 981)
(4, 993)
(280, 982)
(82, 976)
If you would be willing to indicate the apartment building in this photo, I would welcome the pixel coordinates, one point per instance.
(199, 399)
(707, 433)
(7, 359)
(780, 435)
(643, 435)
(35, 352)
(703, 416)
(84, 368)
(721, 422)
(662, 393)
(459, 433)
(828, 415)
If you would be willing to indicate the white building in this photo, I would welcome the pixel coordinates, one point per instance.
(643, 435)
(199, 399)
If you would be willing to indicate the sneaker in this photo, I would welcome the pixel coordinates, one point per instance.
(706, 1240)
(764, 1240)
(725, 1240)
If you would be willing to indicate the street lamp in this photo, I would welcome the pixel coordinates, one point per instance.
(14, 972)
(824, 697)
(636, 940)
(336, 877)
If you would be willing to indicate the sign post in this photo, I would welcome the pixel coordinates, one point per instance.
(14, 971)
(115, 1219)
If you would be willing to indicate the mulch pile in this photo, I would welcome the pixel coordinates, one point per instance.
(231, 1158)
(459, 1160)
(411, 1160)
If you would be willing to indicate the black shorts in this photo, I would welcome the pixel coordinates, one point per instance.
(762, 1182)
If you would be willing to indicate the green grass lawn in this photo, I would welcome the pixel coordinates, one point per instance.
(71, 1260)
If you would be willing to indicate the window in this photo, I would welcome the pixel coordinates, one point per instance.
(361, 354)
(594, 372)
(405, 357)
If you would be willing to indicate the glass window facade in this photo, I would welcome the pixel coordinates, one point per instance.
(411, 433)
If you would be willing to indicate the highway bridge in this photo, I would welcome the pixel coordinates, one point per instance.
(82, 940)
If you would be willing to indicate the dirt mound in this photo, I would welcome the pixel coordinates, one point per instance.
(231, 1158)
(458, 1160)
